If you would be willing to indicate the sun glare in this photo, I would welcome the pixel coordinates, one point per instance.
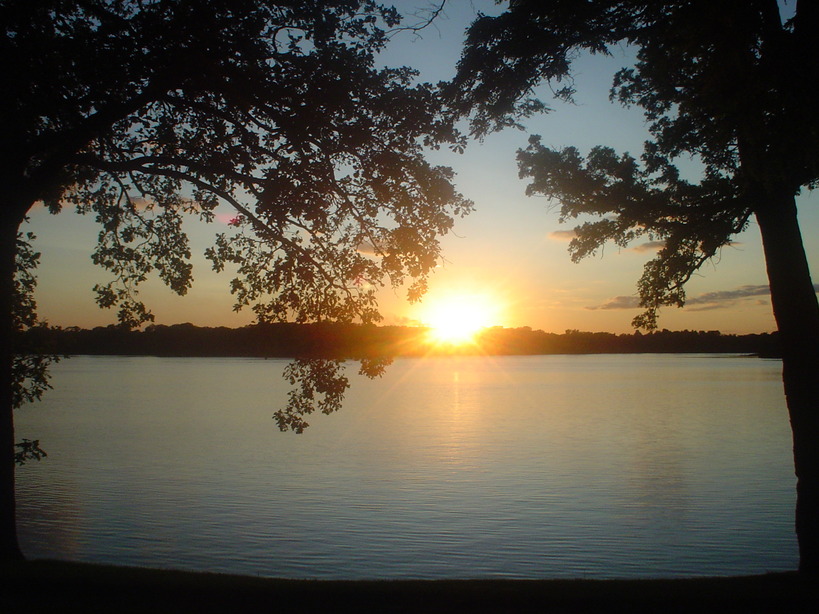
(457, 320)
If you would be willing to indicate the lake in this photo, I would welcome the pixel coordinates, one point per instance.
(600, 466)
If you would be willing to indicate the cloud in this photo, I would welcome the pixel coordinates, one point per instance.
(562, 235)
(649, 246)
(619, 302)
(228, 218)
(729, 296)
(707, 301)
(709, 306)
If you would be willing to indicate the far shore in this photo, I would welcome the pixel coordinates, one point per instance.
(52, 586)
(356, 341)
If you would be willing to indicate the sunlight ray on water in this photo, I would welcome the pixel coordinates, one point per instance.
(543, 466)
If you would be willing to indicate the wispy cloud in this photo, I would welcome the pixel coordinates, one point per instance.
(653, 246)
(731, 296)
(649, 246)
(707, 301)
(619, 302)
(228, 219)
(562, 235)
(727, 298)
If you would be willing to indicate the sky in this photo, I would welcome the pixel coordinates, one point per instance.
(508, 261)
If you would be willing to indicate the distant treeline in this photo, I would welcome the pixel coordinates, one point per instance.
(356, 341)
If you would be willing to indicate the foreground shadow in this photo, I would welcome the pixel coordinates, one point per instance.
(57, 586)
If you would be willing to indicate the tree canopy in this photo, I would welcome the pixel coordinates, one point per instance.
(721, 83)
(143, 112)
(137, 112)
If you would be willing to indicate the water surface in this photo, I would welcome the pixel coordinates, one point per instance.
(527, 467)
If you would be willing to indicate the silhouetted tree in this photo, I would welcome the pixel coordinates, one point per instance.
(722, 82)
(140, 112)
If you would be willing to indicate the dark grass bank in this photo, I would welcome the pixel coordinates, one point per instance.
(47, 586)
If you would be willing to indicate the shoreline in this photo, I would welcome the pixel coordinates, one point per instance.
(61, 586)
(355, 341)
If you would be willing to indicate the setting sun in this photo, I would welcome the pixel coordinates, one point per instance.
(456, 320)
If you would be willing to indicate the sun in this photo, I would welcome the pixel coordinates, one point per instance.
(456, 320)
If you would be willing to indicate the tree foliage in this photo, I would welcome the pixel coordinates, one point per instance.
(142, 113)
(30, 376)
(722, 83)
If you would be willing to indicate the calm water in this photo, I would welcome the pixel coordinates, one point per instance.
(549, 466)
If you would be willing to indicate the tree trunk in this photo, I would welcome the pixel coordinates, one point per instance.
(797, 316)
(9, 547)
